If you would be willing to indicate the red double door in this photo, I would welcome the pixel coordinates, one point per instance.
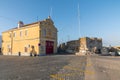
(49, 47)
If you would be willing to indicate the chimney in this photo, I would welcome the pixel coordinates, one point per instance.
(20, 24)
(49, 17)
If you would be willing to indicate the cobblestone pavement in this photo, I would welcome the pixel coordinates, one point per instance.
(104, 67)
(73, 71)
(55, 67)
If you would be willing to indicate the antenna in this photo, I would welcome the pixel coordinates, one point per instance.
(51, 12)
(79, 19)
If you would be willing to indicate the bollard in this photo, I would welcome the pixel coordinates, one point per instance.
(31, 54)
(19, 53)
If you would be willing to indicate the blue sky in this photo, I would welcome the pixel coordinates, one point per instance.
(98, 18)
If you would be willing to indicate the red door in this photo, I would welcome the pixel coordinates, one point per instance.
(49, 47)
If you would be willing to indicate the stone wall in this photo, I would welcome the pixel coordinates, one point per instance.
(90, 45)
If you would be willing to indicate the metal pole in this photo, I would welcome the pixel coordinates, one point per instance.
(79, 19)
(11, 42)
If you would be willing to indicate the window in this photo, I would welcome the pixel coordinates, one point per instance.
(9, 49)
(42, 48)
(44, 32)
(10, 34)
(14, 34)
(26, 32)
(20, 33)
(49, 32)
(54, 34)
(26, 49)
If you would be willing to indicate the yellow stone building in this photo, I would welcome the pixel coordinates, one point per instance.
(36, 38)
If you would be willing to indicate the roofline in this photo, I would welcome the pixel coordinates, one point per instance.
(23, 26)
(26, 25)
(72, 40)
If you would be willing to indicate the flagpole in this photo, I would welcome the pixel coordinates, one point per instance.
(51, 12)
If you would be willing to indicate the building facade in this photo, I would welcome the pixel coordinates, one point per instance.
(83, 45)
(73, 45)
(70, 46)
(36, 38)
(90, 44)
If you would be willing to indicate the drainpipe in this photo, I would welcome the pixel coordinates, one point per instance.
(39, 37)
(11, 36)
(12, 42)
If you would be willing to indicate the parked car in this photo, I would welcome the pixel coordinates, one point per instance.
(118, 53)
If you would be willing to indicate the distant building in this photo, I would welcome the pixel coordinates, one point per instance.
(62, 47)
(70, 46)
(36, 38)
(90, 44)
(83, 45)
(73, 45)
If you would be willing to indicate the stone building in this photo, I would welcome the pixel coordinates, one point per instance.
(73, 45)
(38, 38)
(70, 46)
(83, 45)
(93, 45)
